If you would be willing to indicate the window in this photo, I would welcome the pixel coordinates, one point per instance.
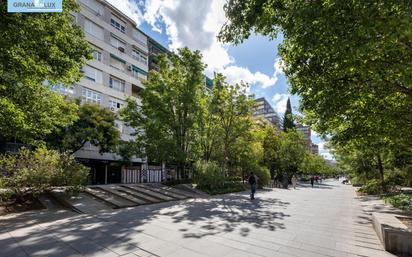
(117, 84)
(138, 73)
(92, 74)
(139, 37)
(115, 104)
(91, 96)
(117, 63)
(97, 55)
(141, 57)
(118, 24)
(93, 29)
(115, 42)
(94, 7)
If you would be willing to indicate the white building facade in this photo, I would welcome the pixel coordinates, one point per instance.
(119, 65)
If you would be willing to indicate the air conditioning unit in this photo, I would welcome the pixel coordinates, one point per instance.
(121, 49)
(129, 67)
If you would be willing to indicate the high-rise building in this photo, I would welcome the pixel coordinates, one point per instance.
(266, 111)
(306, 131)
(119, 65)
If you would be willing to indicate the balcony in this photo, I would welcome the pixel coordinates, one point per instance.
(136, 90)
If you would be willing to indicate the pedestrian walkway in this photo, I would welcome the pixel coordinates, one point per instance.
(326, 220)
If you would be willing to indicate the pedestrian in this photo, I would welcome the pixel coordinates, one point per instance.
(275, 181)
(294, 180)
(312, 180)
(252, 183)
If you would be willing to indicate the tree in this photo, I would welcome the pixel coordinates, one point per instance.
(233, 110)
(209, 132)
(166, 120)
(314, 164)
(38, 47)
(348, 61)
(95, 124)
(271, 149)
(288, 118)
(292, 152)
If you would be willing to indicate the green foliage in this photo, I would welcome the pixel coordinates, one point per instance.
(184, 122)
(95, 124)
(395, 178)
(233, 110)
(354, 84)
(170, 107)
(35, 171)
(288, 118)
(38, 47)
(291, 152)
(401, 201)
(263, 174)
(178, 182)
(229, 187)
(315, 164)
(209, 176)
(371, 187)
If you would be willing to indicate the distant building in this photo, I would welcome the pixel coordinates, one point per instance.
(305, 130)
(315, 148)
(266, 111)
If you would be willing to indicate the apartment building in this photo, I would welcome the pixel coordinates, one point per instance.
(119, 65)
(306, 131)
(266, 111)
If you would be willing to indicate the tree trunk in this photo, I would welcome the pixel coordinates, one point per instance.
(381, 173)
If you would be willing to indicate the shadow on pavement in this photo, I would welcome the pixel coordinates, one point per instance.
(316, 185)
(231, 212)
(65, 233)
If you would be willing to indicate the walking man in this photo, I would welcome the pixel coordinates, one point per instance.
(252, 182)
(312, 180)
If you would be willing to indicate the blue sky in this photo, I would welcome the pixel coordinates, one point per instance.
(195, 24)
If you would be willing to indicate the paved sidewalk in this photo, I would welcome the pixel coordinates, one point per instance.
(323, 221)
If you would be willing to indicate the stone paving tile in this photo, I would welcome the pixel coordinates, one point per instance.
(324, 221)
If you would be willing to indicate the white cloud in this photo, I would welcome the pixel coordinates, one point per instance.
(130, 8)
(236, 74)
(195, 24)
(279, 101)
(324, 151)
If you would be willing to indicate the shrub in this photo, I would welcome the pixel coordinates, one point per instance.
(263, 174)
(228, 187)
(356, 181)
(178, 182)
(208, 175)
(372, 187)
(401, 201)
(32, 172)
(395, 178)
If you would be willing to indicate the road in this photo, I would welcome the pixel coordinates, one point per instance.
(326, 220)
